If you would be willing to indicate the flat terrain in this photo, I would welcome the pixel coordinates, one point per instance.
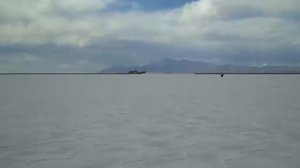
(150, 121)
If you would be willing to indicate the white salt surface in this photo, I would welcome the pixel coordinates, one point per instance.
(150, 121)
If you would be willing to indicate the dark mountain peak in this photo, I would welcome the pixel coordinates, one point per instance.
(166, 60)
(168, 65)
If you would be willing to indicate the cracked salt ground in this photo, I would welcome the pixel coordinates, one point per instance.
(149, 121)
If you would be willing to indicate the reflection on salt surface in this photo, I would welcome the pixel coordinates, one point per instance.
(149, 121)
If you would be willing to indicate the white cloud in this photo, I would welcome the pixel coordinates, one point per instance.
(47, 21)
(75, 6)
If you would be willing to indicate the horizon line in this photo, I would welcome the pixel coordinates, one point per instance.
(159, 73)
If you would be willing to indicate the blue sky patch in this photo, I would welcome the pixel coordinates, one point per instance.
(160, 4)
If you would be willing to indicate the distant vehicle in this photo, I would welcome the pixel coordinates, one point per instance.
(222, 75)
(136, 72)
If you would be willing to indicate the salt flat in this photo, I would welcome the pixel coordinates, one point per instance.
(150, 121)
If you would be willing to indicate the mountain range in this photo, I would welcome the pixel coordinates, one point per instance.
(186, 66)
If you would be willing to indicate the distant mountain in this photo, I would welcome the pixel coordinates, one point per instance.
(187, 66)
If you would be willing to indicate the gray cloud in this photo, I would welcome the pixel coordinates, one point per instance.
(75, 35)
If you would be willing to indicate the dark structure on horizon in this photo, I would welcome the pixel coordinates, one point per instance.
(136, 72)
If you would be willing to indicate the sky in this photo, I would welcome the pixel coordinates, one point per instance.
(89, 35)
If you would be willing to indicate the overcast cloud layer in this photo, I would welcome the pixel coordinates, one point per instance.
(87, 35)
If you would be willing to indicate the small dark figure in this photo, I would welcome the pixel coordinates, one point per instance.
(222, 75)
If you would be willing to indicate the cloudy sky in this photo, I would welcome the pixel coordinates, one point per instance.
(88, 35)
